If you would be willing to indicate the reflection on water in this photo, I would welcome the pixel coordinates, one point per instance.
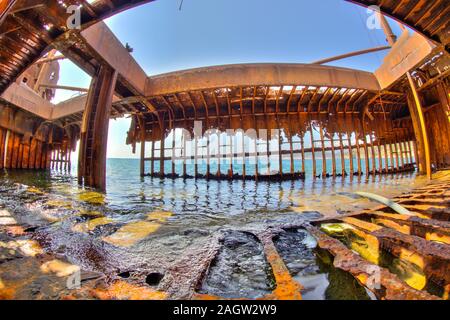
(148, 225)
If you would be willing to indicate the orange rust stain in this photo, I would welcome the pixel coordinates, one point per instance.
(394, 225)
(121, 290)
(433, 236)
(362, 224)
(287, 288)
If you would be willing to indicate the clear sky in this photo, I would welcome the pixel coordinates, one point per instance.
(214, 32)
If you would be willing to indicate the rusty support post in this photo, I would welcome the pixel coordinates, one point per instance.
(219, 155)
(162, 155)
(333, 155)
(372, 152)
(173, 153)
(324, 158)
(230, 173)
(350, 154)
(256, 155)
(302, 145)
(280, 156)
(208, 156)
(291, 149)
(358, 152)
(94, 129)
(2, 147)
(152, 157)
(143, 137)
(341, 148)
(313, 150)
(418, 118)
(244, 171)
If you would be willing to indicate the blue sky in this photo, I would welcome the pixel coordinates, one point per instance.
(214, 32)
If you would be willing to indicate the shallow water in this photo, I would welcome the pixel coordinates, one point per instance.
(149, 225)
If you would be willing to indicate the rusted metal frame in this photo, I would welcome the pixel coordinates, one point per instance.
(366, 151)
(280, 155)
(421, 120)
(345, 259)
(350, 100)
(402, 152)
(241, 101)
(429, 229)
(405, 152)
(30, 31)
(288, 107)
(37, 160)
(195, 156)
(341, 100)
(181, 104)
(15, 151)
(2, 146)
(391, 155)
(44, 154)
(208, 156)
(152, 157)
(299, 103)
(48, 158)
(32, 158)
(244, 169)
(341, 148)
(143, 137)
(399, 150)
(193, 104)
(230, 173)
(173, 152)
(255, 90)
(69, 160)
(372, 153)
(313, 149)
(162, 155)
(216, 102)
(434, 259)
(184, 149)
(358, 153)
(434, 19)
(219, 153)
(205, 105)
(89, 8)
(333, 155)
(302, 145)
(229, 103)
(171, 111)
(265, 99)
(324, 95)
(357, 101)
(419, 20)
(350, 154)
(277, 102)
(256, 155)
(397, 160)
(410, 152)
(291, 149)
(311, 100)
(380, 157)
(386, 157)
(324, 158)
(333, 99)
(22, 44)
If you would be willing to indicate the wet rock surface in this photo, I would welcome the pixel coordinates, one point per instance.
(240, 269)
